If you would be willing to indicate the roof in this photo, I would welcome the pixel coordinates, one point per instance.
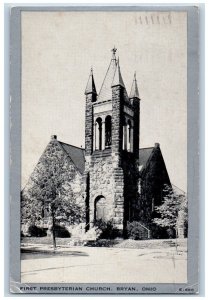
(117, 80)
(90, 88)
(134, 89)
(76, 154)
(144, 155)
(106, 91)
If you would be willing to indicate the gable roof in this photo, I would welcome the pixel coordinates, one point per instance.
(76, 154)
(144, 155)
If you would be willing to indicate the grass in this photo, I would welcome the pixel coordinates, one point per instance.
(45, 240)
(117, 243)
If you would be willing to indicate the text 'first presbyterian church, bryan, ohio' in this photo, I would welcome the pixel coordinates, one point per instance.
(112, 179)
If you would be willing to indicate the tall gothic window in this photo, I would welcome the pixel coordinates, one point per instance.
(129, 137)
(108, 132)
(124, 135)
(98, 135)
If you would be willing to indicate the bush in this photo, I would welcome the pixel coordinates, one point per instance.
(159, 232)
(136, 231)
(102, 243)
(61, 231)
(107, 228)
(36, 231)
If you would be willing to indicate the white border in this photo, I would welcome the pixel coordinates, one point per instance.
(206, 108)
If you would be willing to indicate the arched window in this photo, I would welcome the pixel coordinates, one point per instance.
(129, 136)
(108, 132)
(124, 135)
(98, 134)
(100, 209)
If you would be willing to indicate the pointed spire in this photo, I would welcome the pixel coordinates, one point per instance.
(106, 91)
(118, 80)
(91, 88)
(134, 89)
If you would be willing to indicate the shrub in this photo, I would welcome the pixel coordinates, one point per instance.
(36, 231)
(61, 231)
(159, 232)
(136, 231)
(102, 243)
(108, 229)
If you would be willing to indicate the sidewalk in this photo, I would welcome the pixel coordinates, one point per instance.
(102, 265)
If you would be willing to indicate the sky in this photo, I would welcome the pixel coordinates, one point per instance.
(58, 51)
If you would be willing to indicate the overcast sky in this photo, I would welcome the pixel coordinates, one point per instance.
(58, 50)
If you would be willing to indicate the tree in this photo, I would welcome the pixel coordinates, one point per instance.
(49, 191)
(172, 211)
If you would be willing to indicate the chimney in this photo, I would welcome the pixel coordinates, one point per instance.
(53, 137)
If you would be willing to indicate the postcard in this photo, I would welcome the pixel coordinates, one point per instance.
(104, 124)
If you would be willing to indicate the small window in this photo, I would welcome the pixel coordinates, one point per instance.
(98, 136)
(108, 132)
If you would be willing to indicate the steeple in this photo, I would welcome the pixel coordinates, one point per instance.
(118, 80)
(134, 89)
(90, 88)
(106, 91)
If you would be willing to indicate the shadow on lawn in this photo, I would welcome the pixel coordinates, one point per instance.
(37, 253)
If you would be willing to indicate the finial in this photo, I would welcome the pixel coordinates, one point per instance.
(135, 75)
(91, 71)
(113, 52)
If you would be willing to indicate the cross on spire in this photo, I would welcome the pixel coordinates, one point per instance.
(113, 52)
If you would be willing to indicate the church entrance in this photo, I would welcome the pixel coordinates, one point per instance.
(100, 211)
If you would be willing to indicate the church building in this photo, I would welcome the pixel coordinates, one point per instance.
(112, 178)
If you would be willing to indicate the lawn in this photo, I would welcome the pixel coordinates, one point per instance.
(117, 243)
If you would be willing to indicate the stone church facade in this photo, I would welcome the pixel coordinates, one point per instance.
(112, 178)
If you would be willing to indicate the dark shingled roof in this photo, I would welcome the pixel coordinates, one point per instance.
(144, 155)
(76, 154)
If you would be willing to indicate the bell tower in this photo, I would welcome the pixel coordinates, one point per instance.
(112, 148)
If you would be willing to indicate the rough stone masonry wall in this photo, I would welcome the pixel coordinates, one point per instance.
(117, 139)
(101, 184)
(54, 158)
(117, 126)
(89, 125)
